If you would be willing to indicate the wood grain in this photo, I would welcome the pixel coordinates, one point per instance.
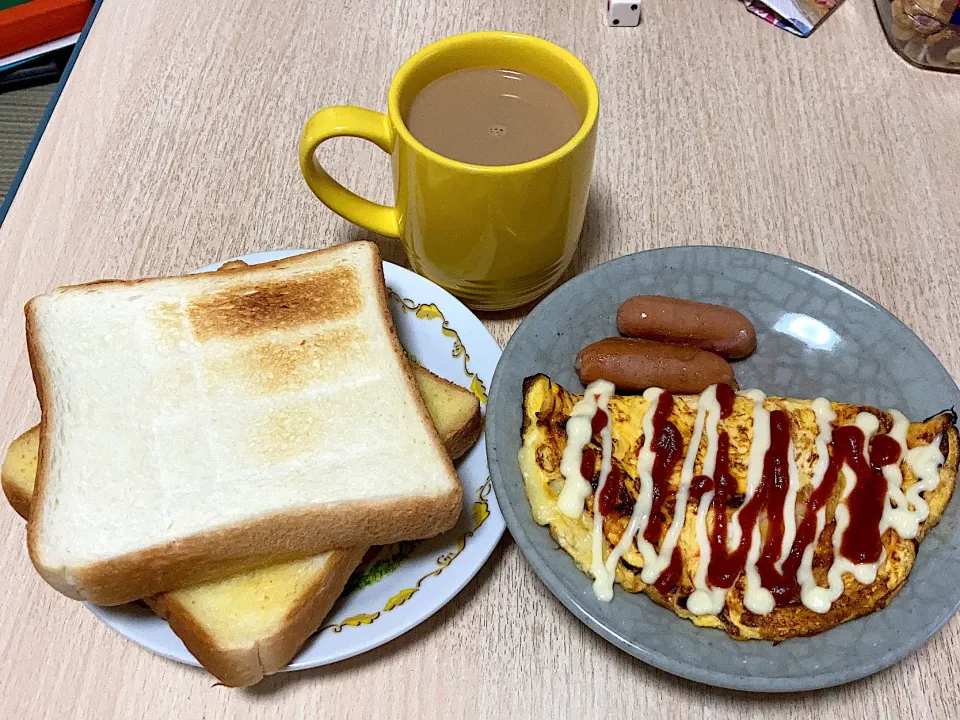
(174, 145)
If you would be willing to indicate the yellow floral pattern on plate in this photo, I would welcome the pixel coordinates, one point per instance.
(480, 509)
(429, 311)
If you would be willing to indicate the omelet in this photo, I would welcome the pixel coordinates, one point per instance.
(767, 517)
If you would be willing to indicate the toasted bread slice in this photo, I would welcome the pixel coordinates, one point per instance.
(454, 410)
(253, 623)
(197, 426)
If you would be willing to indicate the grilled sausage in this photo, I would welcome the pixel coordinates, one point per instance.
(715, 328)
(640, 364)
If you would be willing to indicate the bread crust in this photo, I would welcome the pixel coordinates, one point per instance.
(409, 383)
(41, 380)
(464, 437)
(18, 499)
(222, 552)
(247, 665)
(251, 545)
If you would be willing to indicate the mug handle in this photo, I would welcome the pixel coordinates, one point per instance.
(348, 121)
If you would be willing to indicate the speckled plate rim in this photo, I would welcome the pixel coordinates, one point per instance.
(504, 468)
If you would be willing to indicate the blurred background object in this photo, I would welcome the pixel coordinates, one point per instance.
(800, 17)
(36, 37)
(20, 115)
(26, 24)
(924, 32)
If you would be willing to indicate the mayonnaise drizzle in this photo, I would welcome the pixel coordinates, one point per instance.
(603, 582)
(704, 600)
(601, 394)
(903, 511)
(925, 461)
(758, 450)
(896, 512)
(756, 599)
(789, 507)
(579, 431)
(812, 595)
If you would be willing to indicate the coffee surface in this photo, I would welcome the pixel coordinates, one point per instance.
(491, 116)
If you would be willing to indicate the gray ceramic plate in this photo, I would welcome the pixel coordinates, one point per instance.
(816, 336)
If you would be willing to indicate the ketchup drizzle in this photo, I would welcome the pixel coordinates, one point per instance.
(861, 540)
(725, 398)
(721, 485)
(860, 543)
(599, 421)
(671, 574)
(588, 464)
(884, 450)
(611, 491)
(776, 477)
(784, 586)
(700, 486)
(723, 568)
(667, 446)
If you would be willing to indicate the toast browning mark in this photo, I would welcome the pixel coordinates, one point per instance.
(271, 367)
(287, 432)
(169, 324)
(262, 306)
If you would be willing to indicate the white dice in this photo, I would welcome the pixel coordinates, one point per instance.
(623, 13)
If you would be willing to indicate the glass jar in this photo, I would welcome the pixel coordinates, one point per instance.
(924, 32)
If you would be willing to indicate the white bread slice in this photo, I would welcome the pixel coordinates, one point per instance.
(240, 628)
(454, 410)
(198, 426)
(252, 624)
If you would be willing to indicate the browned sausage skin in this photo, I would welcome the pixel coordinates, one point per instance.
(640, 364)
(715, 328)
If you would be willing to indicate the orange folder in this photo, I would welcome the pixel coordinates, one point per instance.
(38, 21)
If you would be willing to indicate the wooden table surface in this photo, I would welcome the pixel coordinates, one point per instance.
(174, 145)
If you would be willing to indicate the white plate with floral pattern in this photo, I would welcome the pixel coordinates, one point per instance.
(398, 586)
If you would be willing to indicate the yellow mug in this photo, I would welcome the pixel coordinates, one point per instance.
(495, 236)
